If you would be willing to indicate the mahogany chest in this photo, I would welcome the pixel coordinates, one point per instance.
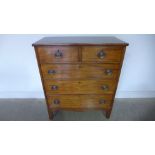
(80, 73)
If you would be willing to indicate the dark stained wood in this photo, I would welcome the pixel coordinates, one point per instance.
(80, 40)
(75, 80)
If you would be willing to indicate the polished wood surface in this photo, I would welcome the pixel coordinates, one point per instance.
(80, 86)
(80, 73)
(79, 101)
(48, 54)
(112, 54)
(80, 41)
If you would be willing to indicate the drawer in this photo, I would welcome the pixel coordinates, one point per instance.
(79, 101)
(102, 54)
(57, 54)
(80, 86)
(81, 71)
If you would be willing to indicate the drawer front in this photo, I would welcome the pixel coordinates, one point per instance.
(66, 71)
(80, 87)
(101, 54)
(58, 54)
(80, 101)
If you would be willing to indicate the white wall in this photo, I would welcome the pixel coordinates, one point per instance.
(19, 75)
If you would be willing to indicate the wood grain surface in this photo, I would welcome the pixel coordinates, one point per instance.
(80, 86)
(80, 101)
(112, 54)
(47, 54)
(80, 71)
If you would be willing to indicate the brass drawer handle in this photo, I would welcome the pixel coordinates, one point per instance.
(108, 71)
(51, 71)
(101, 54)
(58, 54)
(102, 101)
(56, 101)
(105, 87)
(54, 87)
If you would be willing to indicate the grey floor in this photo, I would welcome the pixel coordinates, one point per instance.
(35, 110)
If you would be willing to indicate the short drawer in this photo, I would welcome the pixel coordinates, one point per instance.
(57, 54)
(80, 71)
(102, 54)
(80, 86)
(79, 101)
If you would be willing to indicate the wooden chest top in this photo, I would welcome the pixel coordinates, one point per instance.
(80, 40)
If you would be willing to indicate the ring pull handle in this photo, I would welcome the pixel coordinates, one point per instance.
(51, 71)
(56, 101)
(109, 72)
(105, 87)
(58, 54)
(102, 101)
(54, 87)
(101, 54)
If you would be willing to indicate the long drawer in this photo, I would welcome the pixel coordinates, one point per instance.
(80, 71)
(80, 86)
(79, 101)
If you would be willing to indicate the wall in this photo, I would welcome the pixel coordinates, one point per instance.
(19, 76)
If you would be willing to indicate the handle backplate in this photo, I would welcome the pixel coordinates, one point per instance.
(108, 71)
(56, 101)
(58, 54)
(51, 71)
(105, 87)
(102, 101)
(101, 54)
(54, 87)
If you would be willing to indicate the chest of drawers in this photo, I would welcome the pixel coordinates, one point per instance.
(80, 73)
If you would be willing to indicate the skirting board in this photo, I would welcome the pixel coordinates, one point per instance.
(119, 94)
